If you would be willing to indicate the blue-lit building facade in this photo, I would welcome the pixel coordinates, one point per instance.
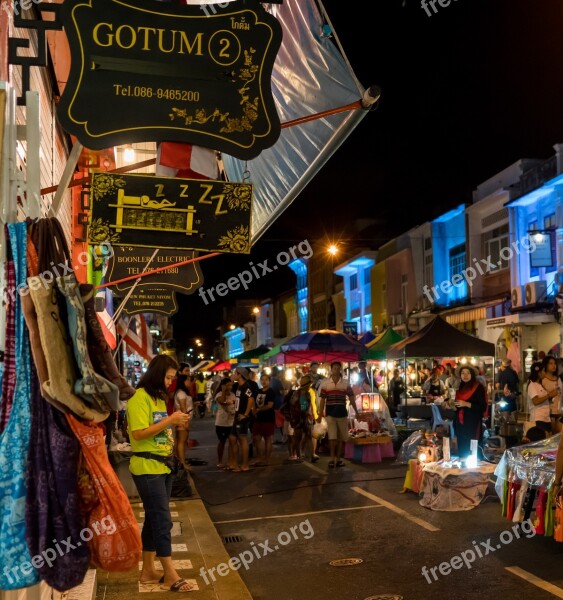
(356, 274)
(299, 267)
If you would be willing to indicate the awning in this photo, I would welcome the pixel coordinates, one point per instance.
(249, 355)
(222, 366)
(310, 76)
(204, 365)
(377, 349)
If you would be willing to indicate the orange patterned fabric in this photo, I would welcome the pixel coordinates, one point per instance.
(32, 258)
(116, 541)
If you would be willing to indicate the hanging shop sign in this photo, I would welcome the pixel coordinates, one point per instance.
(543, 253)
(128, 261)
(350, 327)
(166, 213)
(151, 300)
(154, 71)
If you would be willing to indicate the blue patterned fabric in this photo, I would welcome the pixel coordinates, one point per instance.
(15, 568)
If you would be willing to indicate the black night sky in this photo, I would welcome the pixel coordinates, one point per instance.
(465, 93)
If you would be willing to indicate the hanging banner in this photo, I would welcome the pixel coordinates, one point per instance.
(154, 71)
(166, 213)
(129, 260)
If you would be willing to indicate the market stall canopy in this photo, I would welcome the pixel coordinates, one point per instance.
(311, 75)
(204, 365)
(308, 356)
(222, 366)
(274, 351)
(250, 355)
(324, 345)
(367, 338)
(377, 349)
(439, 338)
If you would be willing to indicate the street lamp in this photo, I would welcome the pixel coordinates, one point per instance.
(231, 327)
(333, 251)
(255, 310)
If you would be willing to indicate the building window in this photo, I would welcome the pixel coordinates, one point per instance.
(427, 243)
(367, 277)
(534, 271)
(549, 222)
(354, 281)
(457, 267)
(404, 289)
(495, 241)
(428, 270)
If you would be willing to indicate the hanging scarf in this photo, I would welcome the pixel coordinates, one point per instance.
(464, 395)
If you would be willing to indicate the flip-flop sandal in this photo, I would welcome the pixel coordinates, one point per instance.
(331, 464)
(152, 581)
(221, 466)
(237, 470)
(177, 586)
(340, 463)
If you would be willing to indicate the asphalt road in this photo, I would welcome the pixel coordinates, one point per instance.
(291, 520)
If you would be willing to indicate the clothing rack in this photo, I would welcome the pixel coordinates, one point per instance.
(15, 183)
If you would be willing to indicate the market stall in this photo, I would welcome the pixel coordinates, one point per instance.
(372, 433)
(437, 339)
(525, 476)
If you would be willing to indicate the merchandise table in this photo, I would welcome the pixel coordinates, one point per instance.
(454, 489)
(369, 450)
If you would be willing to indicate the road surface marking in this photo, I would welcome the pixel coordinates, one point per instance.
(314, 468)
(314, 512)
(396, 509)
(542, 584)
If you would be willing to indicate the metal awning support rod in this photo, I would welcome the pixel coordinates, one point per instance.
(139, 165)
(158, 270)
(365, 103)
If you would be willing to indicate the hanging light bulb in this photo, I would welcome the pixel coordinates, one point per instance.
(129, 154)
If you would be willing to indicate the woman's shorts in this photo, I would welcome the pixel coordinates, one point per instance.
(263, 429)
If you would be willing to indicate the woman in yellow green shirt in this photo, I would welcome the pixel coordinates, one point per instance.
(150, 434)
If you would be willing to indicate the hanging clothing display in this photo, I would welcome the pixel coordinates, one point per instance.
(14, 439)
(61, 487)
(524, 484)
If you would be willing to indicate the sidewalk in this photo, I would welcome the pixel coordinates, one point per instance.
(195, 544)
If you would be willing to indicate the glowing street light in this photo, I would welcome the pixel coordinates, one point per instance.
(332, 249)
(231, 327)
(255, 310)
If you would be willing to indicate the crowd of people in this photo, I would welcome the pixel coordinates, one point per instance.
(252, 409)
(249, 410)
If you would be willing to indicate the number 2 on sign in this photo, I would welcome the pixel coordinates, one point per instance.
(220, 197)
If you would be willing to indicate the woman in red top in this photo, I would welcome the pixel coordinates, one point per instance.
(471, 405)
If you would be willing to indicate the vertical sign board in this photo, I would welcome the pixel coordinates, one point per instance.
(148, 70)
